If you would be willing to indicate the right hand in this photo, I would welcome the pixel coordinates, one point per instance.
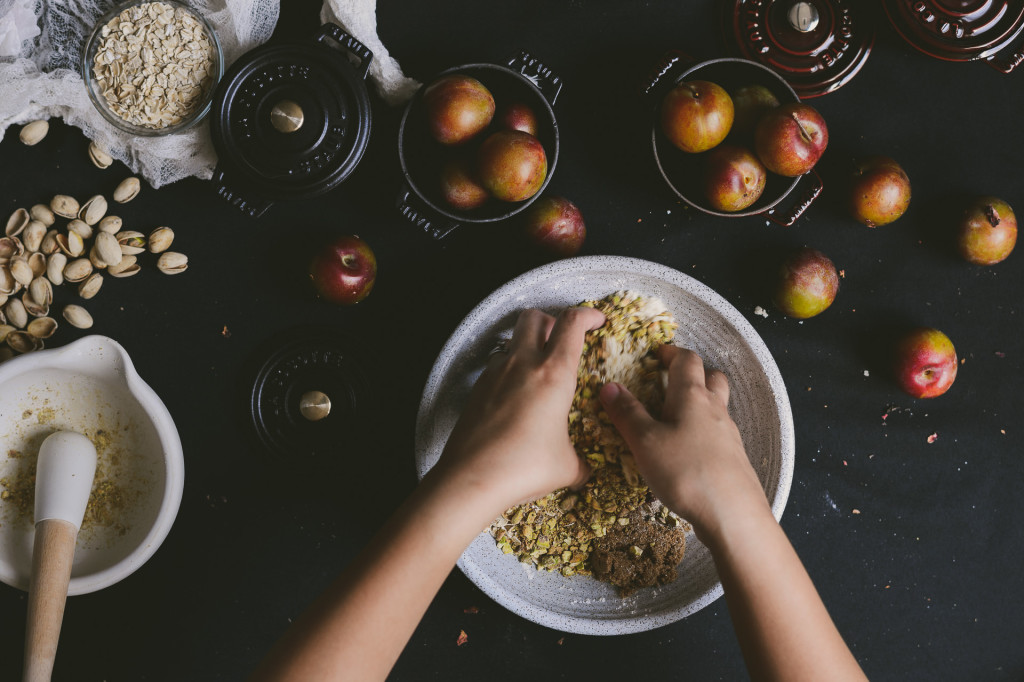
(692, 458)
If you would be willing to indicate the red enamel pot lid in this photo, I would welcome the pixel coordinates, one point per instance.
(957, 30)
(816, 45)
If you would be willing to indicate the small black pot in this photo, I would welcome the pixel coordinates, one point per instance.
(524, 79)
(683, 172)
(291, 121)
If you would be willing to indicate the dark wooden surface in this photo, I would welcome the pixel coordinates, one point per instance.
(914, 545)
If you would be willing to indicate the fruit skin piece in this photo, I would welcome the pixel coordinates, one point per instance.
(344, 271)
(987, 231)
(555, 225)
(696, 115)
(517, 116)
(807, 284)
(879, 190)
(733, 178)
(750, 104)
(459, 187)
(925, 363)
(791, 138)
(512, 165)
(457, 108)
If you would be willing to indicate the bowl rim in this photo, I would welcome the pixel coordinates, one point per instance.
(89, 52)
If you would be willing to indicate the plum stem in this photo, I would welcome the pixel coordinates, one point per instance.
(991, 215)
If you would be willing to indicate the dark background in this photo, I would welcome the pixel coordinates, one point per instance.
(915, 547)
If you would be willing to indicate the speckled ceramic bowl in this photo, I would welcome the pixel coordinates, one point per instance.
(710, 326)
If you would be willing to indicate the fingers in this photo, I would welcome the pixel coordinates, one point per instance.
(565, 343)
(627, 413)
(686, 371)
(718, 384)
(531, 331)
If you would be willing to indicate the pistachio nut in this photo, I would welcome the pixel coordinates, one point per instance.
(43, 214)
(10, 247)
(41, 291)
(17, 222)
(160, 239)
(33, 235)
(77, 270)
(55, 268)
(99, 158)
(64, 206)
(34, 132)
(21, 270)
(71, 244)
(126, 268)
(127, 190)
(94, 258)
(6, 354)
(23, 342)
(77, 316)
(8, 285)
(34, 307)
(131, 242)
(108, 248)
(172, 263)
(81, 228)
(3, 302)
(111, 224)
(16, 313)
(91, 286)
(94, 209)
(49, 244)
(42, 327)
(37, 264)
(5, 329)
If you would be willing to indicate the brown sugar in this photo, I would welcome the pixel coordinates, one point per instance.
(639, 554)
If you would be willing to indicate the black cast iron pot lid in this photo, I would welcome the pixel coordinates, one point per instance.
(816, 45)
(291, 121)
(957, 30)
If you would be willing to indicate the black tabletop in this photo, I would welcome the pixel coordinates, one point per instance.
(906, 512)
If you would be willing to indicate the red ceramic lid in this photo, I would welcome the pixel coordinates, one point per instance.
(957, 30)
(816, 45)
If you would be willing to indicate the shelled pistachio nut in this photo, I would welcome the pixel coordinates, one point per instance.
(126, 268)
(111, 224)
(41, 291)
(55, 268)
(16, 314)
(71, 244)
(23, 342)
(65, 206)
(160, 239)
(94, 209)
(42, 327)
(99, 158)
(77, 270)
(34, 307)
(20, 270)
(43, 214)
(81, 228)
(127, 190)
(108, 249)
(91, 286)
(34, 132)
(17, 222)
(172, 263)
(33, 235)
(77, 316)
(132, 242)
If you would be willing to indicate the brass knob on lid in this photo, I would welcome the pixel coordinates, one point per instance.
(803, 16)
(286, 116)
(314, 405)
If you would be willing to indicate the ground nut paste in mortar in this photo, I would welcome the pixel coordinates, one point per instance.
(614, 528)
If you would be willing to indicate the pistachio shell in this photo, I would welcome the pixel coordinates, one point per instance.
(23, 342)
(111, 224)
(17, 222)
(160, 239)
(33, 235)
(10, 247)
(71, 244)
(21, 270)
(81, 228)
(3, 302)
(8, 285)
(64, 206)
(49, 244)
(77, 316)
(91, 286)
(77, 270)
(34, 307)
(99, 158)
(5, 329)
(55, 268)
(41, 291)
(42, 327)
(43, 214)
(37, 263)
(172, 263)
(94, 258)
(108, 248)
(34, 132)
(16, 313)
(126, 268)
(6, 354)
(131, 242)
(94, 209)
(127, 190)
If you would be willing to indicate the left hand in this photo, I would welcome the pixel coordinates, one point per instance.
(512, 441)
